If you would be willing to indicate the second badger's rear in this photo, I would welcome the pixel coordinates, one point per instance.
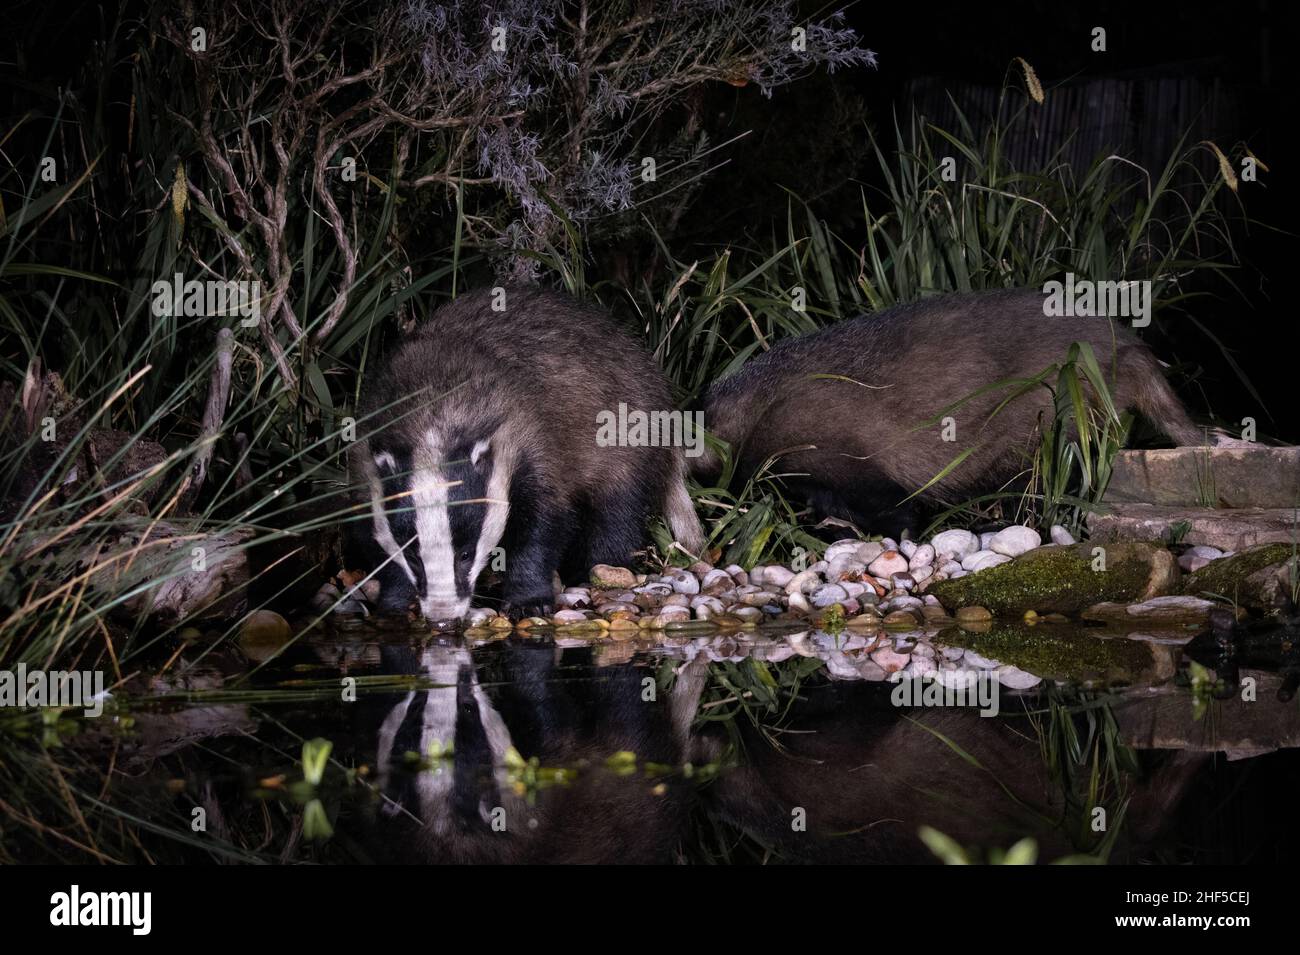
(849, 412)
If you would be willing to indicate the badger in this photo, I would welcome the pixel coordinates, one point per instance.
(562, 706)
(853, 414)
(478, 441)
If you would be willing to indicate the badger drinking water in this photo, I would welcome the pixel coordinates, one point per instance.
(481, 433)
(864, 394)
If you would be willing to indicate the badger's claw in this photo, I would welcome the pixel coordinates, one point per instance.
(528, 608)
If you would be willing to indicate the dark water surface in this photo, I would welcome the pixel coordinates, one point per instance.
(710, 747)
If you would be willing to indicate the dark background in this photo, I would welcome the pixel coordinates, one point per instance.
(811, 138)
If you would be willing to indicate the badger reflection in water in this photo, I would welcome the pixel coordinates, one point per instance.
(467, 808)
(847, 778)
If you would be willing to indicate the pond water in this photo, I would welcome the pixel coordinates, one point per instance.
(367, 744)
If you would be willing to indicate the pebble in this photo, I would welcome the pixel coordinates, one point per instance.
(870, 670)
(264, 627)
(970, 560)
(846, 568)
(775, 577)
(616, 606)
(683, 581)
(870, 551)
(737, 574)
(918, 666)
(604, 575)
(1194, 558)
(1060, 535)
(708, 607)
(889, 562)
(803, 582)
(717, 582)
(992, 560)
(907, 549)
(828, 594)
(973, 614)
(958, 543)
(890, 660)
(902, 618)
(847, 547)
(923, 556)
(326, 597)
(799, 603)
(1015, 540)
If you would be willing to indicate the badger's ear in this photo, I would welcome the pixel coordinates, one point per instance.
(481, 455)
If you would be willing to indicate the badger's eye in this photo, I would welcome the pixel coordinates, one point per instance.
(463, 556)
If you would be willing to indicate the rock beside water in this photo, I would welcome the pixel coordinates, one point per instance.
(1257, 577)
(1063, 580)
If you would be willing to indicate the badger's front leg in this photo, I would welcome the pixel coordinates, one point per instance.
(538, 534)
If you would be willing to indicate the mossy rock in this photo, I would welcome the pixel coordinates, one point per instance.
(1057, 652)
(1257, 577)
(1056, 579)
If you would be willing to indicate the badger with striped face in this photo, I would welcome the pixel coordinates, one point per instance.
(478, 444)
(434, 517)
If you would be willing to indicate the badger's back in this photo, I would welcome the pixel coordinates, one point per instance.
(545, 367)
(865, 391)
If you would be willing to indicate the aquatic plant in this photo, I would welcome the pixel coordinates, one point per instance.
(1024, 852)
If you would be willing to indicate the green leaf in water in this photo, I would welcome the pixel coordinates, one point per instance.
(315, 822)
(315, 755)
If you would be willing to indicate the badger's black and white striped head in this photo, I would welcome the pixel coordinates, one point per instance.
(439, 505)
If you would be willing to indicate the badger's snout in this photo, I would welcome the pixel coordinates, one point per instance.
(443, 607)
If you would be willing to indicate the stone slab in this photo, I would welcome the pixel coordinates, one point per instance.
(1256, 477)
(1228, 530)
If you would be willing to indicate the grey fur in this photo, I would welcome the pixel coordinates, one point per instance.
(531, 379)
(904, 365)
